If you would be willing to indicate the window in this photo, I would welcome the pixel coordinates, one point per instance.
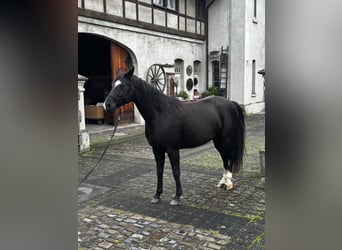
(253, 78)
(200, 9)
(158, 2)
(197, 69)
(179, 73)
(216, 73)
(178, 65)
(170, 4)
(255, 9)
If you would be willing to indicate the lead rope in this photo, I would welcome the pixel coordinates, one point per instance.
(100, 159)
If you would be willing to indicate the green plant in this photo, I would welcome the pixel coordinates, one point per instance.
(211, 91)
(183, 94)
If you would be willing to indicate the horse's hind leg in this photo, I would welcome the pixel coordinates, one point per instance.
(226, 180)
(227, 164)
(159, 156)
(174, 159)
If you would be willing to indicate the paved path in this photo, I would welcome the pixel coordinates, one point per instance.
(114, 209)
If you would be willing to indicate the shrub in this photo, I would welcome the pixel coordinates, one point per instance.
(183, 94)
(211, 91)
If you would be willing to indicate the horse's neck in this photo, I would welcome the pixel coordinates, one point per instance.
(144, 101)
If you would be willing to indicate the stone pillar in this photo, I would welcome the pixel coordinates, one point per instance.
(83, 135)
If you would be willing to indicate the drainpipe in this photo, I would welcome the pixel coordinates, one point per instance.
(229, 48)
(206, 48)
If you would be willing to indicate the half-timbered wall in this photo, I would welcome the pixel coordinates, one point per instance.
(186, 17)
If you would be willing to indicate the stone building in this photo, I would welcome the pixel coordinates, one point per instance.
(188, 44)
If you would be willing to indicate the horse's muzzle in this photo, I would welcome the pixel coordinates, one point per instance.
(109, 108)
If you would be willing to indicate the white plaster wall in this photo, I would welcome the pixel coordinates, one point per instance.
(96, 5)
(181, 23)
(130, 10)
(255, 49)
(237, 51)
(198, 24)
(218, 25)
(190, 25)
(148, 47)
(145, 14)
(159, 17)
(114, 7)
(203, 28)
(217, 30)
(172, 21)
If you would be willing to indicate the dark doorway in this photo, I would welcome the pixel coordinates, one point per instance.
(99, 60)
(94, 63)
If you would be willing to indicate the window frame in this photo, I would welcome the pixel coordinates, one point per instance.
(255, 11)
(158, 3)
(168, 6)
(253, 78)
(165, 4)
(197, 68)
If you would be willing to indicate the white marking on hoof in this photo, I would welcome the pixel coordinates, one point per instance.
(221, 183)
(174, 203)
(226, 182)
(155, 200)
(229, 186)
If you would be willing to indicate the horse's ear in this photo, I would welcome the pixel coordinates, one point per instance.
(129, 73)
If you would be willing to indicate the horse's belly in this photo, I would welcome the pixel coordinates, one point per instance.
(193, 143)
(194, 140)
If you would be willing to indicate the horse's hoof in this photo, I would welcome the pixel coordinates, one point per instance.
(229, 186)
(155, 200)
(174, 202)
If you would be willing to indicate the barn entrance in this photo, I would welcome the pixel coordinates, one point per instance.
(99, 59)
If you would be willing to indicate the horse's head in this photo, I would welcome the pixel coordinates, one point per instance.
(121, 93)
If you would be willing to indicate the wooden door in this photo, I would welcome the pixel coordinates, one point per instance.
(118, 61)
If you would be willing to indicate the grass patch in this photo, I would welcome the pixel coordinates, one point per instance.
(256, 241)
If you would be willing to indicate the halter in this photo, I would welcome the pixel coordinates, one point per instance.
(130, 94)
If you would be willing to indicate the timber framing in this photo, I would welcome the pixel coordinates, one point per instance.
(185, 32)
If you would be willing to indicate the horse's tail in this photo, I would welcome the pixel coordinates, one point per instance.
(240, 142)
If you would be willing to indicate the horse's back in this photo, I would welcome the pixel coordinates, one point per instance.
(191, 124)
(202, 120)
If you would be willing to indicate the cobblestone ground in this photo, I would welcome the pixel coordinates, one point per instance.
(114, 209)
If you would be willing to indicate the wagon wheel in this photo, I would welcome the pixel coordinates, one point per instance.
(156, 77)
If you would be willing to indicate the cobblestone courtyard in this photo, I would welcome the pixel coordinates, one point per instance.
(114, 209)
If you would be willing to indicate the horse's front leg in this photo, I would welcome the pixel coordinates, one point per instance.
(159, 156)
(174, 159)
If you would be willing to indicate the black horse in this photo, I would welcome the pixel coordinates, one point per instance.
(171, 125)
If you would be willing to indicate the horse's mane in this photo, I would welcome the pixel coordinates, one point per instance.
(156, 97)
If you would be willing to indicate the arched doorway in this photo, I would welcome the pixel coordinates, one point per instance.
(99, 59)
